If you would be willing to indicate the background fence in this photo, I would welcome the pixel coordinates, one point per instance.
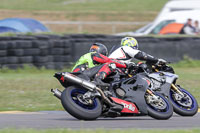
(111, 27)
(56, 52)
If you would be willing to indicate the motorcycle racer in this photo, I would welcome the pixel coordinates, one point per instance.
(97, 63)
(129, 49)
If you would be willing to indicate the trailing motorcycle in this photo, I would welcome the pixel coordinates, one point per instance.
(162, 79)
(130, 96)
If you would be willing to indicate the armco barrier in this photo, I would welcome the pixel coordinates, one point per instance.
(56, 52)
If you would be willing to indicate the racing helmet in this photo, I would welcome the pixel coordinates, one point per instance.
(99, 48)
(129, 41)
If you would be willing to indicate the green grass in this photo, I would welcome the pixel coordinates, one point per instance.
(99, 131)
(29, 89)
(28, 92)
(84, 5)
(187, 62)
(189, 78)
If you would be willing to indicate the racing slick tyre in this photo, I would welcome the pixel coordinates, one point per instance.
(184, 106)
(161, 109)
(73, 102)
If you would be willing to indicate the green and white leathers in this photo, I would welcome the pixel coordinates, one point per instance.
(85, 59)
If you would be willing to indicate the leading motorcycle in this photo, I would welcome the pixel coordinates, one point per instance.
(163, 80)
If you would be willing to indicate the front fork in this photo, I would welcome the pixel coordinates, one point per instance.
(152, 94)
(173, 86)
(153, 99)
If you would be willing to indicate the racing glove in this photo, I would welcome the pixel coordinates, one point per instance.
(161, 62)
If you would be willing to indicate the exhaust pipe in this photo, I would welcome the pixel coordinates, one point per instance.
(75, 79)
(57, 93)
(86, 84)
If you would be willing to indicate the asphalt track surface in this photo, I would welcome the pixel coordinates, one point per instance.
(61, 119)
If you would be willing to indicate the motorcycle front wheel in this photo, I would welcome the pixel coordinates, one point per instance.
(159, 108)
(73, 102)
(183, 105)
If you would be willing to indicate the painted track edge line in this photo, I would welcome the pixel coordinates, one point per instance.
(19, 112)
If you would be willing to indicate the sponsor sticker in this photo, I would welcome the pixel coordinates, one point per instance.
(128, 106)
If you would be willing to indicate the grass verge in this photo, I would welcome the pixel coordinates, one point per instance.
(83, 5)
(28, 89)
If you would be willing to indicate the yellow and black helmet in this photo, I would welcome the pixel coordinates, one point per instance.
(129, 41)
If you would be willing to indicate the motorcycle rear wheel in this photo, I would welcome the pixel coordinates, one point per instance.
(179, 107)
(159, 112)
(78, 108)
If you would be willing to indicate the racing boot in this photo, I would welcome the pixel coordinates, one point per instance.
(99, 77)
